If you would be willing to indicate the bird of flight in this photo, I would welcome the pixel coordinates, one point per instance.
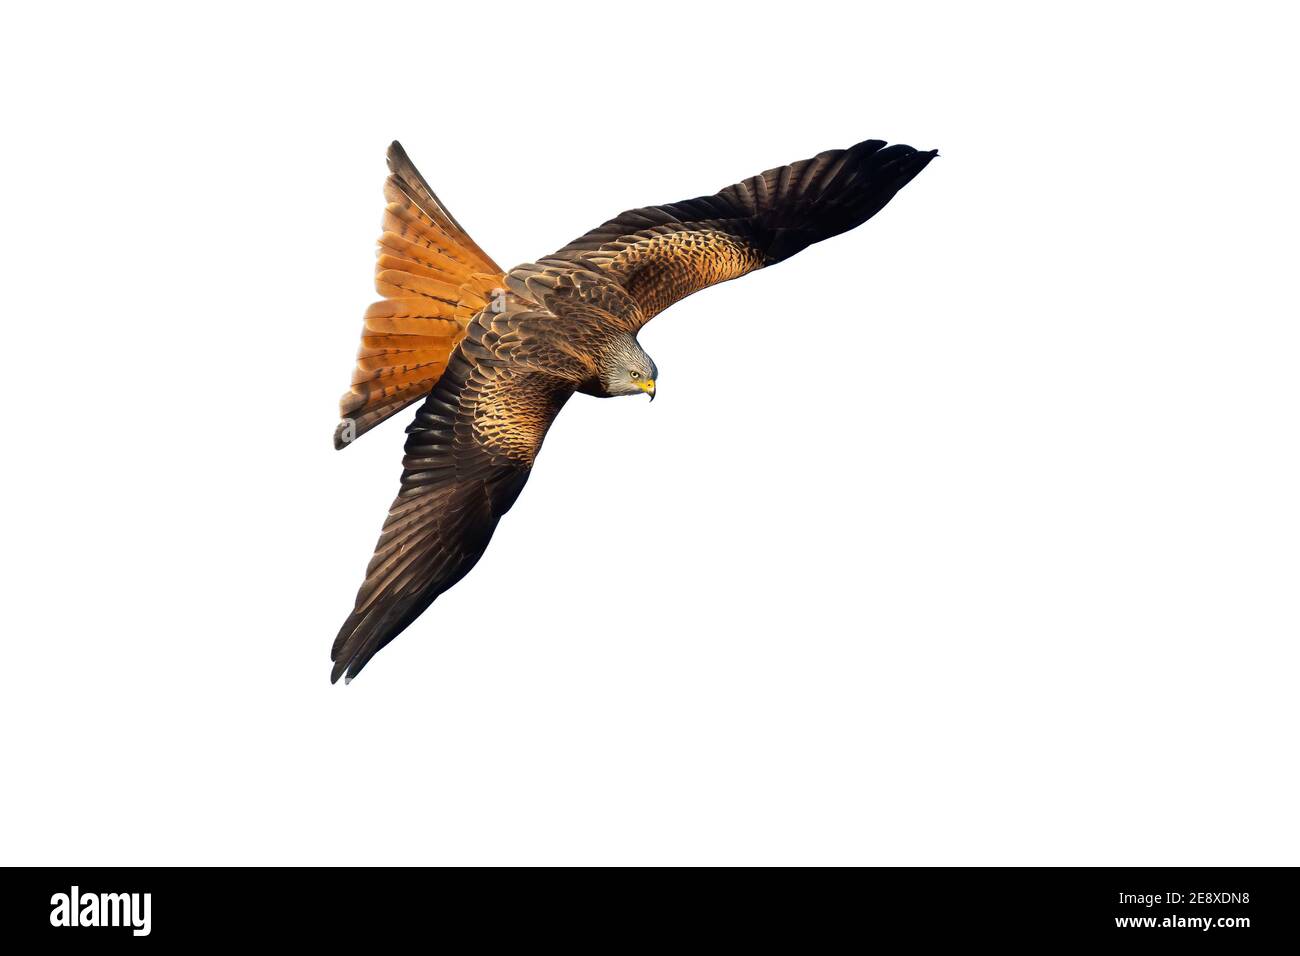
(494, 355)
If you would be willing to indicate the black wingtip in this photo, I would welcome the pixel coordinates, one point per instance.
(921, 159)
(909, 167)
(861, 181)
(397, 158)
(340, 665)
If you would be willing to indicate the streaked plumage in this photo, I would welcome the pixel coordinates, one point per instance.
(496, 355)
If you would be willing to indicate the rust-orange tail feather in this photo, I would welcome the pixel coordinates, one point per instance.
(434, 279)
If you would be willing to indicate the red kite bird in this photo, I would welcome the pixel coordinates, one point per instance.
(495, 355)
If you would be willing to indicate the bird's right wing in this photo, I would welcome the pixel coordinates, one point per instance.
(470, 450)
(660, 254)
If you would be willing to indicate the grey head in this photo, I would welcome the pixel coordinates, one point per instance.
(626, 369)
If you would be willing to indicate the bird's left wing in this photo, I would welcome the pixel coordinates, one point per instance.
(470, 450)
(660, 254)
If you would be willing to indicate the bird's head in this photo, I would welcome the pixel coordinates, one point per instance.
(626, 369)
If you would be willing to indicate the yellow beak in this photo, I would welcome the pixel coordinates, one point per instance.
(647, 386)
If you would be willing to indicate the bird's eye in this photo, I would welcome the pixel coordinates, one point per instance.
(636, 374)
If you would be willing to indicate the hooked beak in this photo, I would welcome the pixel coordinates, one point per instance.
(647, 386)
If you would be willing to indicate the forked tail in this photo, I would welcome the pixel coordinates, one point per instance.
(434, 278)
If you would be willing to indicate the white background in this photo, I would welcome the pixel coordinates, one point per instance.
(971, 536)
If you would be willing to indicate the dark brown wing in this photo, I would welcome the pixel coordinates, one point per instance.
(470, 450)
(660, 254)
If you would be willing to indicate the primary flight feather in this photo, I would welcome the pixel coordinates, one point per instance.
(495, 355)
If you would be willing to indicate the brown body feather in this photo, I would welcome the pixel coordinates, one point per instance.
(497, 374)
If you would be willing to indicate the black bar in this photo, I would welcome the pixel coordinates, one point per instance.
(1224, 908)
